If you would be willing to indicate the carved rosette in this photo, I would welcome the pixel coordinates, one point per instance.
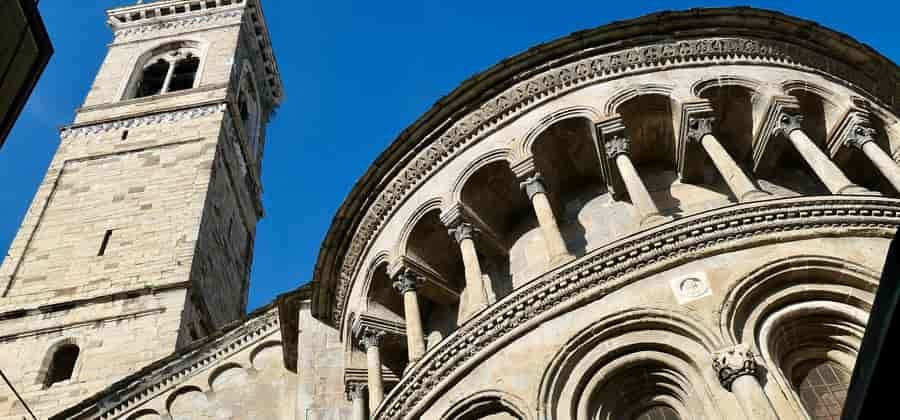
(463, 231)
(699, 127)
(734, 362)
(356, 390)
(369, 337)
(407, 281)
(533, 185)
(788, 122)
(617, 145)
(859, 136)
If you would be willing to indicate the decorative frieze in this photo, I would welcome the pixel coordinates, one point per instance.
(134, 122)
(565, 78)
(610, 268)
(178, 26)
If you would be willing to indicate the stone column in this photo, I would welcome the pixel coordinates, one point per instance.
(618, 148)
(700, 132)
(736, 369)
(406, 283)
(169, 72)
(356, 393)
(370, 341)
(475, 296)
(863, 138)
(534, 188)
(821, 164)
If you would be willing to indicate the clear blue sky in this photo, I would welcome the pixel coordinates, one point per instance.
(356, 74)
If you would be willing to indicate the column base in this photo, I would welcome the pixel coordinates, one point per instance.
(854, 189)
(754, 195)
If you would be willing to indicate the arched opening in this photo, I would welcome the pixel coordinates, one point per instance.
(643, 392)
(152, 78)
(487, 405)
(184, 73)
(822, 388)
(793, 172)
(432, 254)
(62, 366)
(384, 302)
(735, 108)
(509, 236)
(566, 155)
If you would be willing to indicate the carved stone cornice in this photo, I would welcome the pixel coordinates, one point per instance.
(79, 130)
(612, 267)
(443, 143)
(533, 184)
(732, 363)
(407, 281)
(617, 145)
(178, 25)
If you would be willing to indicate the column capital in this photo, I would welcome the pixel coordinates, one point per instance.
(355, 390)
(699, 127)
(369, 337)
(407, 281)
(463, 231)
(733, 362)
(788, 122)
(859, 135)
(617, 144)
(532, 185)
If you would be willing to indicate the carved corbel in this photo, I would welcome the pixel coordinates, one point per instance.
(768, 141)
(696, 120)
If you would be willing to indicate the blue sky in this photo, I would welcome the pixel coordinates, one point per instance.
(356, 74)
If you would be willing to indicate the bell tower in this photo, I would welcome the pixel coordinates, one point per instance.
(140, 237)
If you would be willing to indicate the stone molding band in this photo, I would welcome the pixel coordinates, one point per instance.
(555, 82)
(612, 267)
(152, 119)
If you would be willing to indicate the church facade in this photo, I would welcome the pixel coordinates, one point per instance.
(679, 216)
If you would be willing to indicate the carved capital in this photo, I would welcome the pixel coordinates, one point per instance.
(463, 231)
(356, 390)
(533, 185)
(734, 362)
(788, 122)
(859, 135)
(699, 127)
(617, 145)
(369, 338)
(407, 281)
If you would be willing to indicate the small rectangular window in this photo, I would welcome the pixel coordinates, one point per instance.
(104, 243)
(124, 134)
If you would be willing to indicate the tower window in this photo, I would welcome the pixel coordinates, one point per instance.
(63, 364)
(124, 134)
(152, 79)
(184, 73)
(105, 242)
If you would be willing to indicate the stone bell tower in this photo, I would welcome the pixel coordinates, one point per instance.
(140, 238)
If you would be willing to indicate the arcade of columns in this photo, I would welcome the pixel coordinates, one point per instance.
(736, 366)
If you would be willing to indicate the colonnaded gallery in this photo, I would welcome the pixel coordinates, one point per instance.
(680, 216)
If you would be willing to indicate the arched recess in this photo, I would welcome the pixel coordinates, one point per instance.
(565, 153)
(145, 414)
(648, 118)
(429, 251)
(801, 314)
(61, 362)
(171, 66)
(630, 363)
(186, 402)
(383, 302)
(492, 405)
(489, 197)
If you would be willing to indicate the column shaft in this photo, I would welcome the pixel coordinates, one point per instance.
(556, 245)
(637, 192)
(753, 399)
(475, 294)
(168, 79)
(740, 185)
(883, 162)
(826, 170)
(415, 337)
(376, 382)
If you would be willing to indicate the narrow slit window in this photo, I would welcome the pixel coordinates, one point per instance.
(63, 364)
(184, 73)
(124, 134)
(105, 243)
(152, 79)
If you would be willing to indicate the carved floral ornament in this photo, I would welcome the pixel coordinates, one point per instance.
(612, 267)
(557, 81)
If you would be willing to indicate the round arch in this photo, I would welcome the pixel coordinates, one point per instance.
(487, 403)
(619, 98)
(137, 62)
(700, 87)
(501, 155)
(524, 147)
